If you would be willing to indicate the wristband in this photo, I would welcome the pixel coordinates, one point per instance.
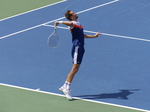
(60, 22)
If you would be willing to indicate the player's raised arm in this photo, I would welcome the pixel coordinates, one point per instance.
(68, 23)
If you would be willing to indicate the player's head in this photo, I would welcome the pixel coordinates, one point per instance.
(70, 15)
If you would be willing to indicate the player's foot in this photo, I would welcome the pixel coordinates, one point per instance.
(66, 93)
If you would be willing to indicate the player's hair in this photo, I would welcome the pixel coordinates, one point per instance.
(68, 15)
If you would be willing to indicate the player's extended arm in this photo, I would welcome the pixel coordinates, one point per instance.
(92, 36)
(68, 23)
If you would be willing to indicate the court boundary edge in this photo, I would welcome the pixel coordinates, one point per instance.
(56, 94)
(32, 10)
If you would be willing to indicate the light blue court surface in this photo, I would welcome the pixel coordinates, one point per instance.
(115, 67)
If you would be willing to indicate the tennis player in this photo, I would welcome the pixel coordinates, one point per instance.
(77, 49)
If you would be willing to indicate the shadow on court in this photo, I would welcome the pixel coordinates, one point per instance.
(123, 94)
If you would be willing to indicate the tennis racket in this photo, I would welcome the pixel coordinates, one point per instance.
(53, 39)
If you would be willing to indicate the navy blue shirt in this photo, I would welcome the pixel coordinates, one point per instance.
(77, 34)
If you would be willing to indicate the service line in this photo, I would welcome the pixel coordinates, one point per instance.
(112, 35)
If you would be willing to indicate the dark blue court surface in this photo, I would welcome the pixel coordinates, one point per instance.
(114, 69)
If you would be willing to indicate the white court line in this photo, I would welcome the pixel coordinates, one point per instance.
(32, 10)
(127, 37)
(89, 9)
(98, 6)
(110, 104)
(57, 19)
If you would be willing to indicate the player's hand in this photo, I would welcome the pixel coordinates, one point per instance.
(56, 23)
(97, 34)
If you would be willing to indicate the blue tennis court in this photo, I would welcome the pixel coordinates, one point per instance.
(115, 67)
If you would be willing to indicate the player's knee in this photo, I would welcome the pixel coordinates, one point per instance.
(75, 69)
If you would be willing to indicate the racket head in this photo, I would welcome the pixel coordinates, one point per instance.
(53, 39)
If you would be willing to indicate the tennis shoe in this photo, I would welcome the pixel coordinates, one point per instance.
(66, 92)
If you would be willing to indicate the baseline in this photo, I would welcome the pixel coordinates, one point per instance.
(98, 102)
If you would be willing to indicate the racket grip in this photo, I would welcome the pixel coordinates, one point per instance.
(55, 27)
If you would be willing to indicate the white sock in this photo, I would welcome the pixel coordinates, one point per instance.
(68, 85)
(65, 84)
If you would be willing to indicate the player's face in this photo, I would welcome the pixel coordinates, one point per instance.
(74, 15)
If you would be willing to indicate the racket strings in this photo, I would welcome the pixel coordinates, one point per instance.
(53, 40)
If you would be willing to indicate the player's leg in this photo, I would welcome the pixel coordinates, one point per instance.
(66, 87)
(72, 73)
(77, 55)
